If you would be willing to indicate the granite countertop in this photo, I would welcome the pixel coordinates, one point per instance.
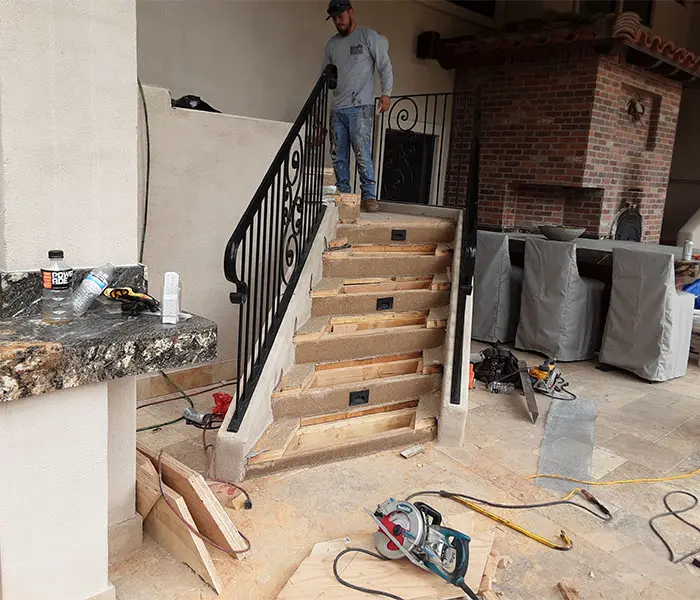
(36, 358)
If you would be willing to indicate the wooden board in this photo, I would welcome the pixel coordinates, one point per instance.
(147, 491)
(567, 591)
(356, 362)
(394, 368)
(440, 283)
(314, 579)
(211, 518)
(362, 412)
(164, 526)
(348, 430)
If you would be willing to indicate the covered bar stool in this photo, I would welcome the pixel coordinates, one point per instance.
(497, 289)
(649, 323)
(560, 310)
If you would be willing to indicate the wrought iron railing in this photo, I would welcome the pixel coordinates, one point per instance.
(267, 251)
(467, 250)
(410, 147)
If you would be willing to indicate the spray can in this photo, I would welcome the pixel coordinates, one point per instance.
(688, 250)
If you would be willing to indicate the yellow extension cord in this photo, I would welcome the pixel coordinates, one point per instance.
(568, 544)
(619, 482)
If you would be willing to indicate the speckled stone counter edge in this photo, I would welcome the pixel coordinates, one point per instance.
(33, 367)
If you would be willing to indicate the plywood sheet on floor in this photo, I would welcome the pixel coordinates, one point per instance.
(314, 579)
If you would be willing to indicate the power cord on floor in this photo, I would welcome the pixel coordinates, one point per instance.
(357, 587)
(672, 512)
(194, 530)
(605, 516)
(619, 481)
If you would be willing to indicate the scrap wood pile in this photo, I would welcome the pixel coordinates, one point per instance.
(181, 512)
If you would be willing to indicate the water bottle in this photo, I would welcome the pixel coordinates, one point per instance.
(57, 292)
(92, 286)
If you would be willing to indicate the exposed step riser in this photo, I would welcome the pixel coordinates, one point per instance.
(380, 391)
(399, 438)
(361, 266)
(352, 304)
(345, 347)
(364, 233)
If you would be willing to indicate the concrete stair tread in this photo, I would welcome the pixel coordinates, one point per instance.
(345, 337)
(390, 259)
(333, 286)
(386, 227)
(275, 441)
(348, 436)
(332, 387)
(305, 376)
(386, 249)
(369, 323)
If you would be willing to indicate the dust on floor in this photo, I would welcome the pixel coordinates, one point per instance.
(642, 430)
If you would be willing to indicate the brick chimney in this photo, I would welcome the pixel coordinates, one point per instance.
(571, 139)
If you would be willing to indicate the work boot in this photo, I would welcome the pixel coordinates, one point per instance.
(370, 205)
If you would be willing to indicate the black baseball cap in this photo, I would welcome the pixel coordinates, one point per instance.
(337, 7)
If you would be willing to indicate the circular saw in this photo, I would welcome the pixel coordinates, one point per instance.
(414, 531)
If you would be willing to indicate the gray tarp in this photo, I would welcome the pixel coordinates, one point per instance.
(497, 288)
(649, 322)
(560, 310)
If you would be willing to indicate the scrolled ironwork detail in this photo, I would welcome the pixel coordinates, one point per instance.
(403, 116)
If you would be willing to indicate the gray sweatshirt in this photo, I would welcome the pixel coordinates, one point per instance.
(355, 56)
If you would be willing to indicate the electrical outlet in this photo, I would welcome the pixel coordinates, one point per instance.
(360, 397)
(385, 303)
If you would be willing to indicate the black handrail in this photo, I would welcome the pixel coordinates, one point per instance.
(467, 251)
(268, 249)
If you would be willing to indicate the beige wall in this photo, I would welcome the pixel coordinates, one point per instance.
(205, 169)
(67, 132)
(260, 58)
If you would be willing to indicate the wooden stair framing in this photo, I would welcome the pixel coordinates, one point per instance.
(394, 259)
(369, 361)
(348, 336)
(353, 295)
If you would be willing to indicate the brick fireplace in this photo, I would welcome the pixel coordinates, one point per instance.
(568, 137)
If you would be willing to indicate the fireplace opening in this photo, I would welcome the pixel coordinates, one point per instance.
(628, 224)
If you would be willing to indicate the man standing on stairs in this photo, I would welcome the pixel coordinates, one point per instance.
(356, 51)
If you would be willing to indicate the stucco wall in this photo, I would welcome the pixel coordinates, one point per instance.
(205, 169)
(260, 58)
(53, 473)
(67, 132)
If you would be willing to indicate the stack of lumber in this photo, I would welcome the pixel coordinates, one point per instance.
(189, 506)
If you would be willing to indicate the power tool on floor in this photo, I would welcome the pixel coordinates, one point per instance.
(415, 531)
(547, 379)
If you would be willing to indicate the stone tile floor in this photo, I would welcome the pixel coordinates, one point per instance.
(643, 430)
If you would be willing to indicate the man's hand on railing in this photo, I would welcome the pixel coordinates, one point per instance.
(384, 104)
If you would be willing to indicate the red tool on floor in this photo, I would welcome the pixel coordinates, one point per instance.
(222, 402)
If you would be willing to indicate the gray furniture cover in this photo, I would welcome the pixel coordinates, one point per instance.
(649, 323)
(560, 310)
(497, 289)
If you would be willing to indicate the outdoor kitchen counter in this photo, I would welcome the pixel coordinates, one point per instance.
(36, 358)
(599, 253)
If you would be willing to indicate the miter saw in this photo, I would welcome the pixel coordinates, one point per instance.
(415, 531)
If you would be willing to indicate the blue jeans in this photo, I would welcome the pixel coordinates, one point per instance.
(353, 126)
